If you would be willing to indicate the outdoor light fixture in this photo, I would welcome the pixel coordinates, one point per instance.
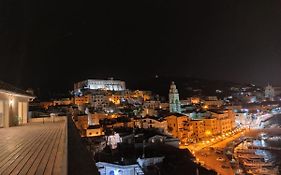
(11, 99)
(11, 102)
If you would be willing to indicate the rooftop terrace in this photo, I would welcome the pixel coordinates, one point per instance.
(44, 147)
(34, 149)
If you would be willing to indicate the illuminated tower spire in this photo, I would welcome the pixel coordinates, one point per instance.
(174, 99)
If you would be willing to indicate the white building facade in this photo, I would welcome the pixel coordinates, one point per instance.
(93, 84)
(271, 92)
(115, 169)
(13, 106)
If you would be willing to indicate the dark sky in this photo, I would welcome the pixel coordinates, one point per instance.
(53, 43)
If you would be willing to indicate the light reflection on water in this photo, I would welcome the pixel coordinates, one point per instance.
(268, 156)
(274, 141)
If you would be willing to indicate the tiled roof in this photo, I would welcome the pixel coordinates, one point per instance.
(12, 89)
(172, 114)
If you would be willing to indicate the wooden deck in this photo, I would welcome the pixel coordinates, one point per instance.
(33, 149)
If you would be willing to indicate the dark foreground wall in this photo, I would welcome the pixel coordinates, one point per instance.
(79, 158)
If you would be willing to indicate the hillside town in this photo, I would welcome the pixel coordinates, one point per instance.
(121, 127)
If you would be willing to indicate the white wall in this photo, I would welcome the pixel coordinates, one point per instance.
(13, 106)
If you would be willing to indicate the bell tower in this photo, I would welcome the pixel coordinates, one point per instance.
(174, 99)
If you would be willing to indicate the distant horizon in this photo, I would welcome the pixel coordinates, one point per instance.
(160, 87)
(130, 80)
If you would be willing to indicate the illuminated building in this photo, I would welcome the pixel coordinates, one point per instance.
(46, 104)
(13, 105)
(94, 131)
(195, 100)
(225, 120)
(149, 112)
(100, 101)
(271, 92)
(83, 100)
(97, 100)
(174, 100)
(198, 129)
(224, 125)
(184, 102)
(164, 106)
(86, 130)
(153, 122)
(179, 126)
(211, 126)
(145, 95)
(92, 84)
(152, 104)
(212, 102)
(115, 169)
(116, 99)
(113, 140)
(64, 101)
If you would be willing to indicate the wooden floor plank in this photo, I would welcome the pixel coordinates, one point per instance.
(43, 164)
(51, 161)
(12, 156)
(13, 146)
(32, 149)
(14, 142)
(35, 165)
(29, 159)
(59, 156)
(24, 155)
(34, 157)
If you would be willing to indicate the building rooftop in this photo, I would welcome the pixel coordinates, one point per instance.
(193, 120)
(216, 111)
(160, 119)
(175, 114)
(12, 89)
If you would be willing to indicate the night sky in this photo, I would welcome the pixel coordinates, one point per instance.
(53, 43)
